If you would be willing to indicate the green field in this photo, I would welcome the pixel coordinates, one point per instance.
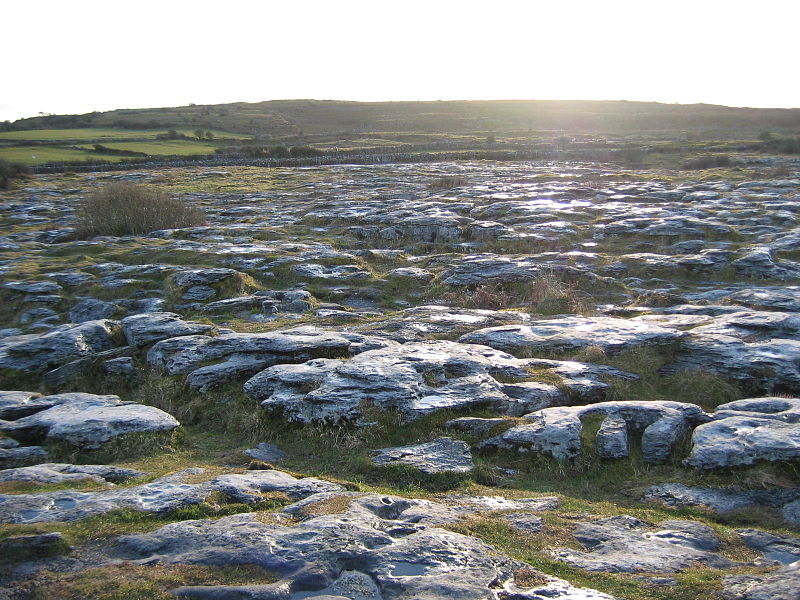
(161, 148)
(37, 135)
(39, 155)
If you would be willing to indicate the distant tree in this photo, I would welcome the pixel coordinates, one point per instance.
(765, 136)
(209, 135)
(199, 134)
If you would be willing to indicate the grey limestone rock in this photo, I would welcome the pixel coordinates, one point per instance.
(21, 456)
(764, 365)
(478, 269)
(746, 431)
(768, 298)
(623, 544)
(194, 277)
(92, 309)
(557, 431)
(335, 272)
(721, 500)
(33, 287)
(524, 522)
(388, 555)
(422, 322)
(18, 404)
(784, 549)
(417, 378)
(778, 585)
(162, 495)
(760, 262)
(266, 452)
(412, 273)
(439, 456)
(574, 333)
(88, 420)
(57, 346)
(60, 472)
(147, 328)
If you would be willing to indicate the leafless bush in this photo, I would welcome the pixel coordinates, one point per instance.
(131, 209)
(447, 182)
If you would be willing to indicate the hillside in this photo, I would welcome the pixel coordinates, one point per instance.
(292, 117)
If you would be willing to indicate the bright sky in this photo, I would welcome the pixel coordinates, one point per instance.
(77, 56)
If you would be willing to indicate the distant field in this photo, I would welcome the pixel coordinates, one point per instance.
(39, 155)
(103, 134)
(162, 148)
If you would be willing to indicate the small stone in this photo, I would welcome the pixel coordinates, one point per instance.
(266, 452)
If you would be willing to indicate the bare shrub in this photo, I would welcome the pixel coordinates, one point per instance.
(447, 182)
(490, 297)
(132, 209)
(10, 171)
(710, 161)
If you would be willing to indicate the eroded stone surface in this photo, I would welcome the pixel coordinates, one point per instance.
(88, 420)
(439, 456)
(557, 431)
(574, 333)
(418, 378)
(747, 431)
(162, 495)
(623, 544)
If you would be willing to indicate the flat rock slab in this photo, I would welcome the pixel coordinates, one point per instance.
(721, 500)
(778, 585)
(623, 544)
(423, 322)
(18, 404)
(162, 495)
(61, 472)
(747, 431)
(443, 455)
(784, 549)
(573, 333)
(389, 554)
(88, 420)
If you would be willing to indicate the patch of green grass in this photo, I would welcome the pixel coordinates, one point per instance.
(39, 155)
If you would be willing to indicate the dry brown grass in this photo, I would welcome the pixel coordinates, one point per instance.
(131, 209)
